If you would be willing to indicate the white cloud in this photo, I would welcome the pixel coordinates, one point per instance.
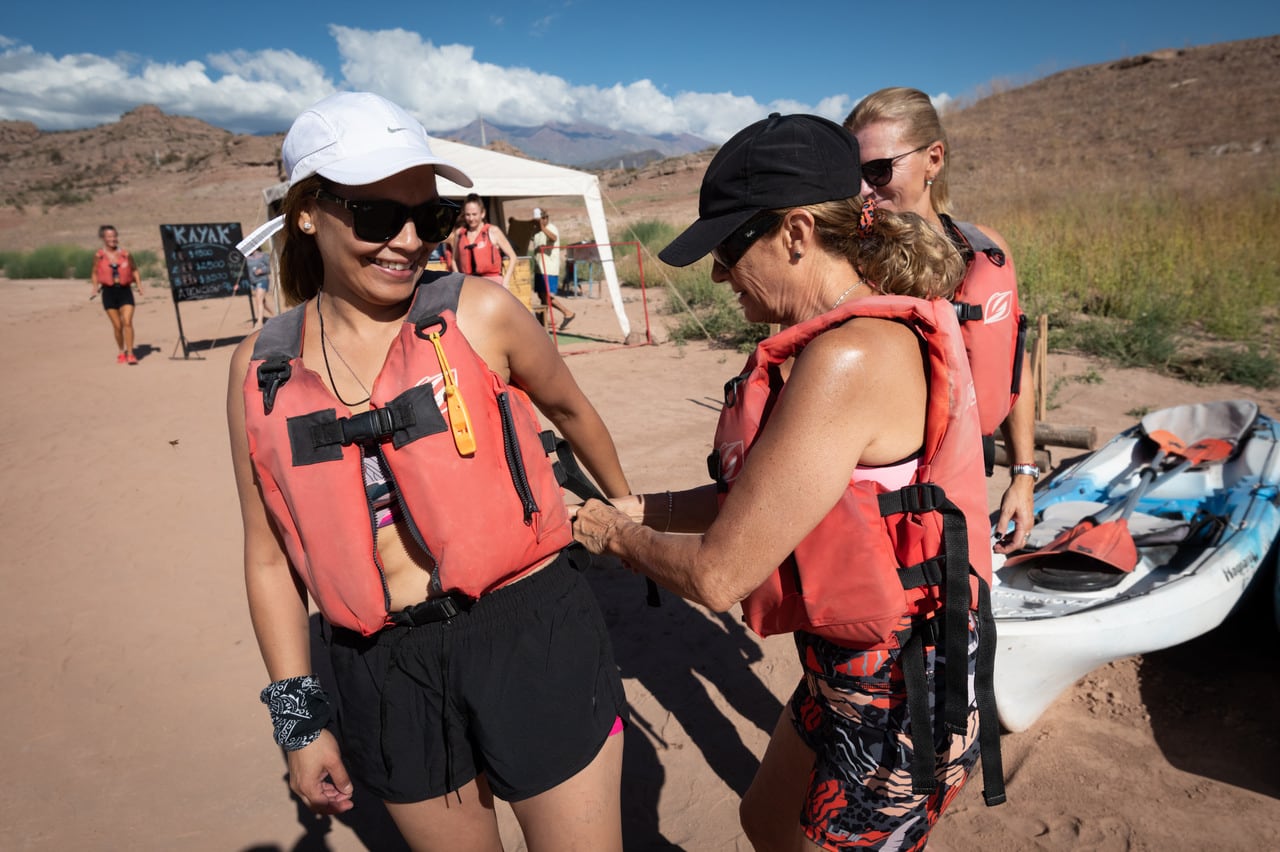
(444, 85)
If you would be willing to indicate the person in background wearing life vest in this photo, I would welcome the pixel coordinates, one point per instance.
(546, 265)
(390, 468)
(114, 276)
(904, 168)
(478, 248)
(821, 520)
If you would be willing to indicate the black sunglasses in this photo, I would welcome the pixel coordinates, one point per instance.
(878, 173)
(734, 246)
(378, 220)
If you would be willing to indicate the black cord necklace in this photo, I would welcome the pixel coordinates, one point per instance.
(324, 338)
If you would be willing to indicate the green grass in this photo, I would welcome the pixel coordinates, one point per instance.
(1143, 279)
(63, 261)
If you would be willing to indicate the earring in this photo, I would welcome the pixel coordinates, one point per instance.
(795, 255)
(928, 182)
(306, 226)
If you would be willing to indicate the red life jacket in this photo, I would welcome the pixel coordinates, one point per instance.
(991, 321)
(485, 517)
(481, 257)
(122, 276)
(883, 557)
(847, 581)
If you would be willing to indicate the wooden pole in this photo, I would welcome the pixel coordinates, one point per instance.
(1040, 367)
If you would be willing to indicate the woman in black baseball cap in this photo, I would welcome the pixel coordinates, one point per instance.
(849, 505)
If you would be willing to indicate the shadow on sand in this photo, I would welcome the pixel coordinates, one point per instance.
(1213, 700)
(678, 651)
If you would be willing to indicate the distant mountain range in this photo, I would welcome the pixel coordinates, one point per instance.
(589, 146)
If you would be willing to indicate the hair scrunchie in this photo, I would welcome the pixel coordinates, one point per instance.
(868, 218)
(299, 710)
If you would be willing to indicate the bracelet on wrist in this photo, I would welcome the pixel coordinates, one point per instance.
(1031, 470)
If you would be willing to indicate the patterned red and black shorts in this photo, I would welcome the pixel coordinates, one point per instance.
(851, 709)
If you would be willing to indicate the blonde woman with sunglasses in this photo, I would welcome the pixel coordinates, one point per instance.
(391, 471)
(904, 168)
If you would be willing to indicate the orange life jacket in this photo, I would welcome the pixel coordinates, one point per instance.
(991, 321)
(122, 276)
(481, 257)
(485, 514)
(880, 557)
(849, 580)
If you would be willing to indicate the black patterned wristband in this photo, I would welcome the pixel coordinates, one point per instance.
(299, 710)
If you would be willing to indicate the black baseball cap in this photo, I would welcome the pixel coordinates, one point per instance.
(780, 161)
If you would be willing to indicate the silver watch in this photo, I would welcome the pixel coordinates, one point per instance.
(1030, 470)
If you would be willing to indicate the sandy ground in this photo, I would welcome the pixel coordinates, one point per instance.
(130, 712)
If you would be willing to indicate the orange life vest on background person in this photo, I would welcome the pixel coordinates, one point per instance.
(991, 321)
(485, 517)
(481, 257)
(881, 557)
(844, 580)
(122, 276)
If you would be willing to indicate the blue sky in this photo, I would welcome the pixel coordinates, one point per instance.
(651, 67)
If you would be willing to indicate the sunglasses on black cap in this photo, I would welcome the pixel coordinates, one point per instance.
(878, 173)
(734, 246)
(378, 220)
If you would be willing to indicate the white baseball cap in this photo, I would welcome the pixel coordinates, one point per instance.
(537, 212)
(357, 138)
(353, 138)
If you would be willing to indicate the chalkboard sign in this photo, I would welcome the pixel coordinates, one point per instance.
(203, 262)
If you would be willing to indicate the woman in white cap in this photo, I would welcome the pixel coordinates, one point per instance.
(391, 470)
(849, 506)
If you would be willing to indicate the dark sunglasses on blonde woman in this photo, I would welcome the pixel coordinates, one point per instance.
(378, 220)
(878, 173)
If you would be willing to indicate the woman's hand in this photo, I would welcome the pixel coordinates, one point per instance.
(318, 777)
(593, 525)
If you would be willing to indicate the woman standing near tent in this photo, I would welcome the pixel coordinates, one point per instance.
(390, 468)
(478, 248)
(904, 168)
(828, 520)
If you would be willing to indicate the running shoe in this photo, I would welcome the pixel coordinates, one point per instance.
(133, 359)
(121, 358)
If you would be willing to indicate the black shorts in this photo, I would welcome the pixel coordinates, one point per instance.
(116, 297)
(522, 687)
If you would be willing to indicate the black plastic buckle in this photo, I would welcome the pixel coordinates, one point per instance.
(431, 611)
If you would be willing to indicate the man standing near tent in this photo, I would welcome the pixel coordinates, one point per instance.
(546, 264)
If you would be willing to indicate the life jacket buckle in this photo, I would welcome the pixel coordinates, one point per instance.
(272, 374)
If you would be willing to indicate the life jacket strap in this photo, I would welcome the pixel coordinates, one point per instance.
(929, 497)
(571, 475)
(984, 688)
(924, 780)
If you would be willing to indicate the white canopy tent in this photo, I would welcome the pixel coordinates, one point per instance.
(505, 177)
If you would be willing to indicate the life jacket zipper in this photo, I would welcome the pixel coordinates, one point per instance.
(515, 463)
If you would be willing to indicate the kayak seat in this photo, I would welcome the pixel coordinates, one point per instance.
(1070, 572)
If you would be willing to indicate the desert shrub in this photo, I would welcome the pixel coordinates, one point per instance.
(57, 261)
(8, 260)
(1248, 366)
(1146, 341)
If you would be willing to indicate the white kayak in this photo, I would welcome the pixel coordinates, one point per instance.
(1202, 534)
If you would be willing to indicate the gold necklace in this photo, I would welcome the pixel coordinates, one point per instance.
(324, 350)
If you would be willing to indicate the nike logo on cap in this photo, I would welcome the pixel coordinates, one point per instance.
(396, 129)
